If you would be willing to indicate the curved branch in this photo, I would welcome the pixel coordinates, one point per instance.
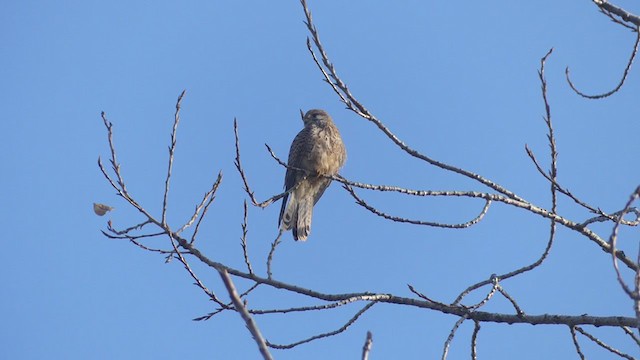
(324, 335)
(619, 86)
(372, 209)
(634, 295)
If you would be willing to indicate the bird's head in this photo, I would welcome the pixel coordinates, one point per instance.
(315, 115)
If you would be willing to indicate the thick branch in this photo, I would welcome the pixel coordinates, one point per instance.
(251, 325)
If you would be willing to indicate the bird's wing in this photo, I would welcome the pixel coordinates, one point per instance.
(321, 185)
(300, 147)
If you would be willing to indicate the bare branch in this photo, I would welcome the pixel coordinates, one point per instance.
(119, 184)
(622, 80)
(615, 216)
(452, 333)
(603, 345)
(580, 228)
(556, 184)
(553, 172)
(246, 188)
(275, 244)
(321, 307)
(372, 209)
(207, 199)
(474, 340)
(131, 228)
(172, 149)
(607, 7)
(181, 245)
(423, 296)
(243, 239)
(193, 275)
(211, 194)
(574, 337)
(327, 334)
(228, 305)
(240, 308)
(455, 310)
(392, 299)
(631, 334)
(634, 295)
(354, 105)
(487, 297)
(366, 349)
(511, 300)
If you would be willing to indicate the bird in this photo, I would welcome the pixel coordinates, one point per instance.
(101, 209)
(316, 152)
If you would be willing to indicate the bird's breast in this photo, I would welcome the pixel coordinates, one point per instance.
(327, 155)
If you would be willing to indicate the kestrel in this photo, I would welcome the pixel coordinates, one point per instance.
(317, 150)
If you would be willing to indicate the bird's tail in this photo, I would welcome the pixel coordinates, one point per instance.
(297, 217)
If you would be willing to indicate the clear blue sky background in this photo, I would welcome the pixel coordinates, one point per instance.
(457, 81)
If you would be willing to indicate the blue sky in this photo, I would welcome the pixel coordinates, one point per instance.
(456, 81)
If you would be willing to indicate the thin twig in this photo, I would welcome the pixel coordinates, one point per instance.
(574, 337)
(245, 182)
(487, 297)
(322, 307)
(511, 300)
(423, 296)
(119, 184)
(193, 275)
(631, 334)
(129, 229)
(634, 295)
(374, 210)
(207, 199)
(452, 333)
(622, 80)
(366, 348)
(172, 149)
(556, 184)
(553, 172)
(614, 217)
(228, 305)
(604, 345)
(243, 239)
(211, 193)
(327, 334)
(274, 245)
(474, 340)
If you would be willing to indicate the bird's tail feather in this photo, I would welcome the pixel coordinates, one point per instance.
(302, 226)
(297, 217)
(289, 212)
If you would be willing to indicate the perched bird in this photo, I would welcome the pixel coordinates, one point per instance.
(317, 150)
(101, 209)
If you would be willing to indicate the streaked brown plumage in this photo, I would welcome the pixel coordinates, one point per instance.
(317, 149)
